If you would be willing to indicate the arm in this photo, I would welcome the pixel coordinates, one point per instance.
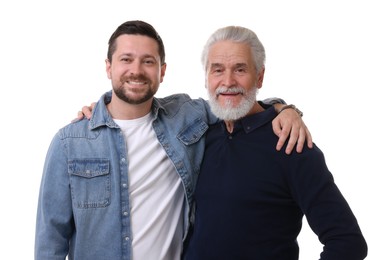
(289, 123)
(328, 213)
(54, 225)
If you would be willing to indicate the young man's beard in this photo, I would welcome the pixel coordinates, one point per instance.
(228, 112)
(121, 91)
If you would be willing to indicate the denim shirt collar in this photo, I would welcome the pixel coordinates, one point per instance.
(101, 116)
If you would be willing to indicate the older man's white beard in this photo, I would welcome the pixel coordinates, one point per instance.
(230, 113)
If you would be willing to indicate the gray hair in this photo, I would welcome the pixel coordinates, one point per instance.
(240, 35)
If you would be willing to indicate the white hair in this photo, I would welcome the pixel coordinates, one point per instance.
(240, 35)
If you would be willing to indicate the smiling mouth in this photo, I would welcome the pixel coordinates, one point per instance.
(136, 82)
(229, 94)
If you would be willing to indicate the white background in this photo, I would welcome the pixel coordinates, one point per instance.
(320, 56)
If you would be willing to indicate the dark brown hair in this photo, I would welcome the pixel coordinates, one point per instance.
(136, 28)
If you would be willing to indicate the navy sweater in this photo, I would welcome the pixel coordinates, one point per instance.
(250, 199)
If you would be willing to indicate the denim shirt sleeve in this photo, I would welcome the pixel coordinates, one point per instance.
(54, 206)
(204, 106)
(273, 100)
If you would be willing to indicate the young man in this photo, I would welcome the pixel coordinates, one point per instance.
(120, 186)
(250, 199)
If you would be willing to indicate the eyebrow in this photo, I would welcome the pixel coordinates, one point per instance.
(237, 65)
(129, 54)
(212, 65)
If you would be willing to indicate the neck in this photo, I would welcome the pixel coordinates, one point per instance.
(230, 126)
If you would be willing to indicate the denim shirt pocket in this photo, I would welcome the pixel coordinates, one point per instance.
(90, 182)
(191, 137)
(193, 132)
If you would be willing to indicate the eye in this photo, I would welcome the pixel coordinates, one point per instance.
(217, 70)
(125, 59)
(241, 69)
(149, 61)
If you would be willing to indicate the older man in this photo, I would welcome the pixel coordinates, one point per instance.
(250, 199)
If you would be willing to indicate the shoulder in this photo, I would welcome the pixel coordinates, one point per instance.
(77, 129)
(182, 102)
(174, 98)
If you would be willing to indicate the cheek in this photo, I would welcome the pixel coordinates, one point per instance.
(153, 74)
(211, 88)
(212, 91)
(248, 83)
(212, 83)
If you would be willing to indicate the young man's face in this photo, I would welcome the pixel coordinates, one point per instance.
(135, 70)
(232, 80)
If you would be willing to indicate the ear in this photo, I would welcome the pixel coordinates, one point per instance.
(108, 68)
(260, 78)
(163, 72)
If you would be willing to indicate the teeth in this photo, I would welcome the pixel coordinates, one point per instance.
(136, 82)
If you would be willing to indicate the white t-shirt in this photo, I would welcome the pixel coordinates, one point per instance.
(156, 194)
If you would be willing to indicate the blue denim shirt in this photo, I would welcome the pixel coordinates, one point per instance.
(84, 196)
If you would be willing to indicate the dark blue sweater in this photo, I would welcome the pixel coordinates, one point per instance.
(251, 199)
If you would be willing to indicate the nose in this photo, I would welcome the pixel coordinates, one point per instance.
(135, 68)
(228, 79)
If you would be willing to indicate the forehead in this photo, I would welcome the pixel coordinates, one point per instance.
(136, 45)
(229, 52)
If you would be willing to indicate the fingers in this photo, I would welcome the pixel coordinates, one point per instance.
(301, 140)
(283, 135)
(304, 137)
(294, 137)
(309, 139)
(277, 131)
(80, 116)
(296, 133)
(288, 125)
(87, 111)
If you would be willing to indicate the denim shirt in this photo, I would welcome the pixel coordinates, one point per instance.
(84, 200)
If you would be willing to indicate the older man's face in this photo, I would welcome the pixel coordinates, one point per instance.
(232, 80)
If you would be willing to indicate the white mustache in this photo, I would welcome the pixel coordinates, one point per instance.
(227, 90)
